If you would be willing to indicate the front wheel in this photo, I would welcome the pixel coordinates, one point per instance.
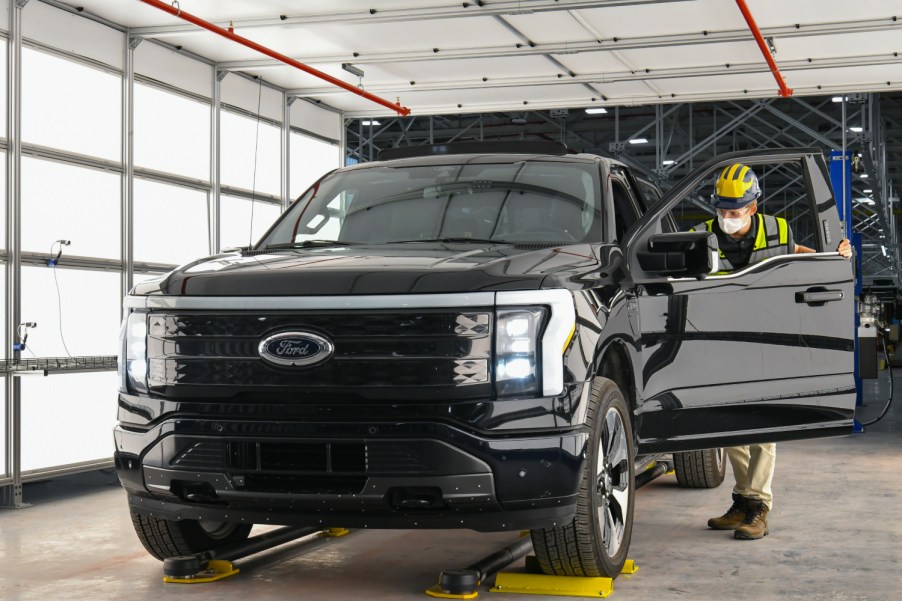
(167, 538)
(595, 543)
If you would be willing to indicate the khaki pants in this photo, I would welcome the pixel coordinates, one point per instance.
(753, 467)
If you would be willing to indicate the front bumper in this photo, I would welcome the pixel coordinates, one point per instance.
(401, 475)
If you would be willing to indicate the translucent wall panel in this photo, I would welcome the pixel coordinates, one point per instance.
(70, 106)
(309, 160)
(238, 135)
(62, 201)
(3, 467)
(166, 65)
(310, 117)
(88, 303)
(235, 220)
(170, 223)
(3, 85)
(72, 33)
(172, 133)
(2, 199)
(67, 419)
(243, 93)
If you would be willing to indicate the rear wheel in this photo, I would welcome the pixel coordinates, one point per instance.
(595, 543)
(700, 469)
(166, 538)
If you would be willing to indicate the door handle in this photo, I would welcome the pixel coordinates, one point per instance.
(816, 297)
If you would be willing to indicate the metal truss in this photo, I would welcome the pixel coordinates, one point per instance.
(682, 135)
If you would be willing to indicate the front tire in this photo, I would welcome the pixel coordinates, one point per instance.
(596, 542)
(700, 469)
(167, 538)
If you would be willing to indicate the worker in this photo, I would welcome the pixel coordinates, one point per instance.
(745, 236)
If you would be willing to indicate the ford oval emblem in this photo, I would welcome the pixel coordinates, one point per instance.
(295, 349)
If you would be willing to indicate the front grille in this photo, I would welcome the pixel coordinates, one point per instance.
(322, 485)
(216, 353)
(298, 457)
(315, 458)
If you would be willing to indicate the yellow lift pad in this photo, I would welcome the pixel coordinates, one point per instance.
(436, 591)
(334, 532)
(217, 569)
(564, 586)
(560, 586)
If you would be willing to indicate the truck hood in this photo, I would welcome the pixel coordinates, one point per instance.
(419, 268)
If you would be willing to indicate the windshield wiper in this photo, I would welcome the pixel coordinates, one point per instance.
(309, 244)
(454, 240)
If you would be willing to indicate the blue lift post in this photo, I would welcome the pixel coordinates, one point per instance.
(841, 173)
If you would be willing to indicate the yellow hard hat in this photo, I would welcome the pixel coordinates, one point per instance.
(736, 187)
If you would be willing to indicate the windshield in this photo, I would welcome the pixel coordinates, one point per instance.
(528, 201)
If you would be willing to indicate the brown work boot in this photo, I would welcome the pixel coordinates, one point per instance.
(755, 524)
(733, 518)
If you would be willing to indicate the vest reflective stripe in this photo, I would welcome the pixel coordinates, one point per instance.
(772, 241)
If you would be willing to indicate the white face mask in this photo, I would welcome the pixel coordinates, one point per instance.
(731, 226)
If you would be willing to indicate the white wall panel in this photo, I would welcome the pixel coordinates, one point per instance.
(62, 201)
(310, 160)
(72, 33)
(88, 302)
(241, 92)
(67, 419)
(236, 218)
(314, 119)
(172, 132)
(170, 223)
(70, 106)
(173, 68)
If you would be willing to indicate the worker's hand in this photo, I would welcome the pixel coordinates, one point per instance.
(845, 248)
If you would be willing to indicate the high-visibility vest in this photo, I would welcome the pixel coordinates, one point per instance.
(772, 241)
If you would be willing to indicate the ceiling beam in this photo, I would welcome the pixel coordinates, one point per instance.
(570, 102)
(474, 8)
(580, 46)
(478, 83)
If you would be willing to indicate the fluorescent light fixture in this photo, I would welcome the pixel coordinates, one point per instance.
(352, 69)
(371, 122)
(668, 162)
(868, 191)
(600, 110)
(863, 176)
(856, 129)
(864, 201)
(638, 141)
(837, 99)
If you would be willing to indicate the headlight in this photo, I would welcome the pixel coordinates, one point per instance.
(133, 369)
(516, 362)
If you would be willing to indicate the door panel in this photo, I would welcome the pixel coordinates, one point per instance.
(728, 359)
(747, 357)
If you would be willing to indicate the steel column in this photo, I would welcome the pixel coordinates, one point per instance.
(127, 200)
(215, 162)
(286, 150)
(11, 495)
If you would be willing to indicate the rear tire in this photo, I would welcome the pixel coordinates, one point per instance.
(166, 538)
(700, 469)
(596, 542)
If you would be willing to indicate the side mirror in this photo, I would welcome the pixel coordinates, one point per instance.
(686, 254)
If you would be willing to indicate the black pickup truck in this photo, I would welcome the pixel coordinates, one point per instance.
(491, 339)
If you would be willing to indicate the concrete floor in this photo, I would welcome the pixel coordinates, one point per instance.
(836, 534)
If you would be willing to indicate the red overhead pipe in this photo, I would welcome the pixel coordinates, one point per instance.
(784, 91)
(228, 33)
